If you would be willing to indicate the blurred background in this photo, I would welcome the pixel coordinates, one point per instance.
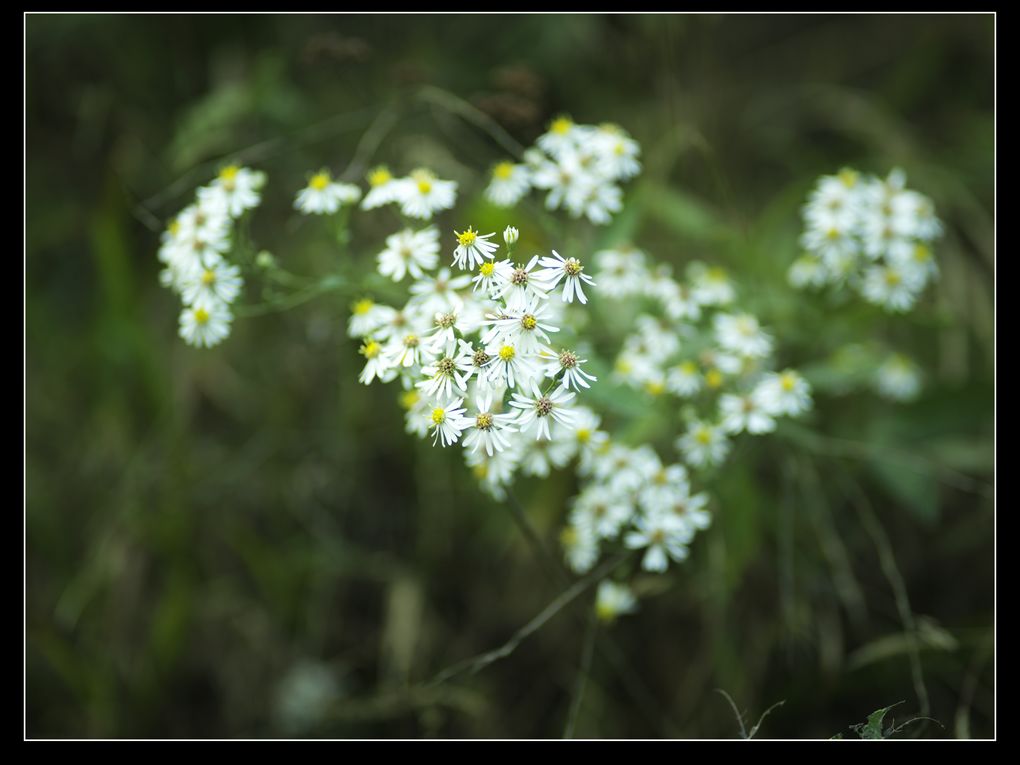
(244, 542)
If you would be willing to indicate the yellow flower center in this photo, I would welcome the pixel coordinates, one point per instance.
(319, 181)
(507, 352)
(568, 536)
(409, 398)
(174, 227)
(922, 254)
(561, 125)
(208, 277)
(689, 368)
(529, 322)
(832, 234)
(848, 177)
(424, 187)
(229, 173)
(583, 435)
(503, 170)
(486, 269)
(467, 238)
(654, 387)
(480, 470)
(703, 436)
(892, 278)
(370, 349)
(363, 306)
(379, 176)
(713, 378)
(201, 316)
(438, 415)
(788, 381)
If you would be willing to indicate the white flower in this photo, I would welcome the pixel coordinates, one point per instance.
(561, 135)
(519, 285)
(570, 269)
(580, 547)
(422, 194)
(601, 511)
(526, 330)
(807, 271)
(683, 379)
(491, 274)
(443, 375)
(660, 483)
(448, 422)
(742, 334)
(411, 252)
(207, 221)
(222, 281)
(376, 364)
(367, 317)
(383, 189)
(488, 429)
(509, 183)
(472, 249)
(538, 409)
(434, 294)
(509, 366)
(785, 393)
(889, 287)
(415, 417)
(322, 195)
(596, 200)
(404, 351)
(710, 286)
(745, 412)
(569, 363)
(236, 189)
(617, 152)
(510, 236)
(474, 362)
(621, 272)
(898, 378)
(703, 444)
(612, 600)
(539, 458)
(664, 536)
(206, 322)
(690, 509)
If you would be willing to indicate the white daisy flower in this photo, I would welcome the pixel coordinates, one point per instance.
(710, 286)
(741, 334)
(236, 189)
(617, 152)
(580, 548)
(323, 195)
(367, 317)
(207, 221)
(509, 183)
(540, 458)
(613, 600)
(683, 379)
(596, 200)
(489, 429)
(703, 445)
(601, 511)
(569, 363)
(538, 409)
(491, 274)
(376, 363)
(663, 535)
(898, 378)
(518, 286)
(526, 330)
(785, 393)
(561, 135)
(690, 509)
(436, 294)
(222, 281)
(570, 269)
(416, 406)
(888, 286)
(206, 322)
(472, 249)
(474, 362)
(383, 189)
(621, 272)
(448, 422)
(807, 271)
(409, 251)
(422, 194)
(745, 412)
(508, 366)
(404, 351)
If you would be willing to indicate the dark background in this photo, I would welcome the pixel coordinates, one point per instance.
(216, 539)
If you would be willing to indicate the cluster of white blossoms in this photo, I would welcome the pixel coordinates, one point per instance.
(870, 234)
(579, 166)
(475, 350)
(419, 195)
(692, 343)
(194, 251)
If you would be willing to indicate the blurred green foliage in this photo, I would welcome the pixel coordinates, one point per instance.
(244, 542)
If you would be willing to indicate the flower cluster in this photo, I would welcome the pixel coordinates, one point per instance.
(474, 350)
(874, 236)
(692, 343)
(419, 195)
(579, 166)
(194, 251)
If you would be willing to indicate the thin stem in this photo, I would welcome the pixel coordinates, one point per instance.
(582, 673)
